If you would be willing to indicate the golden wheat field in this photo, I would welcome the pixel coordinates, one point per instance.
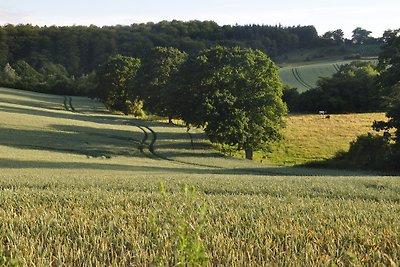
(82, 187)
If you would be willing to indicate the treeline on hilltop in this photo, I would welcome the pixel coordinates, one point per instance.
(81, 49)
(62, 60)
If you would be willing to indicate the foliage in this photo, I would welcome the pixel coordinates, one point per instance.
(114, 81)
(369, 152)
(389, 82)
(135, 108)
(85, 85)
(361, 36)
(391, 127)
(183, 245)
(28, 76)
(337, 36)
(351, 89)
(6, 262)
(156, 80)
(290, 98)
(389, 66)
(3, 47)
(236, 95)
(81, 49)
(8, 74)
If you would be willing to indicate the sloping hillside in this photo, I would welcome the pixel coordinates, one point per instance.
(305, 77)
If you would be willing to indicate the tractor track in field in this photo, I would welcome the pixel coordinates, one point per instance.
(149, 132)
(147, 142)
(296, 74)
(337, 67)
(68, 104)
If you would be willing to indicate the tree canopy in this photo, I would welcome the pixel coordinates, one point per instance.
(81, 49)
(114, 80)
(156, 81)
(361, 36)
(235, 94)
(389, 80)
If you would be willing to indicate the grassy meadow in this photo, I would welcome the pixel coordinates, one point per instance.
(82, 187)
(315, 138)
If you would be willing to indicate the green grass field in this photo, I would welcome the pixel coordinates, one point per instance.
(305, 77)
(81, 187)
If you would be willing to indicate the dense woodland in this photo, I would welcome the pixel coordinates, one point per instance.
(81, 49)
(62, 60)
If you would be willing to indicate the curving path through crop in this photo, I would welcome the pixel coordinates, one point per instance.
(146, 145)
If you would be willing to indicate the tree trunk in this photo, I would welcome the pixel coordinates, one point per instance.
(169, 119)
(249, 153)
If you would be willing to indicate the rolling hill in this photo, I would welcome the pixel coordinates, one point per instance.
(82, 187)
(305, 77)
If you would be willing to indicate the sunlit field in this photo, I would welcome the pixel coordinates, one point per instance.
(316, 138)
(82, 187)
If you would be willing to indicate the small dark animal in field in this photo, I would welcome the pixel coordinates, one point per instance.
(327, 116)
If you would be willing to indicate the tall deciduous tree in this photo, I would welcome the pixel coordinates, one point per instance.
(3, 48)
(361, 36)
(236, 94)
(156, 79)
(114, 78)
(389, 65)
(336, 36)
(389, 82)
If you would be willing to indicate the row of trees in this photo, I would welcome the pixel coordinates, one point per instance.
(48, 78)
(81, 49)
(235, 94)
(360, 36)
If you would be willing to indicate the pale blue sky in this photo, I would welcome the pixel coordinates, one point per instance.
(373, 15)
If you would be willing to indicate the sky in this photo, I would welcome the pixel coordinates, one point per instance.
(373, 15)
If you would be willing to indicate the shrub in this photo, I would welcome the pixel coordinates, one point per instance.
(135, 108)
(370, 151)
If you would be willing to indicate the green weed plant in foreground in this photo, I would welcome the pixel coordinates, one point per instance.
(176, 230)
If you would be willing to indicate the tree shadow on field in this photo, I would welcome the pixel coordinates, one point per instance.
(55, 113)
(108, 143)
(100, 142)
(163, 167)
(174, 148)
